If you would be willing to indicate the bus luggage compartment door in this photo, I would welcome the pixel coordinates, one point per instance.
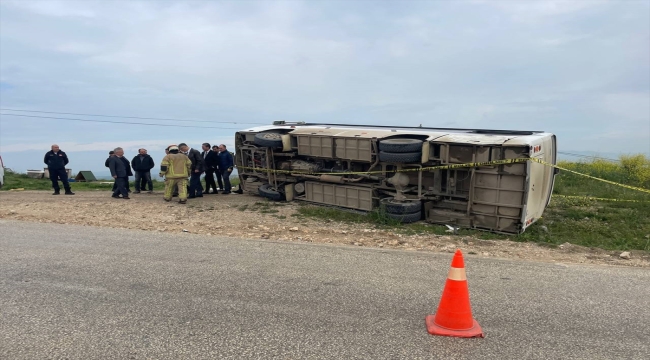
(339, 195)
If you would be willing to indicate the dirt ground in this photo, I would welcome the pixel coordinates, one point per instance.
(224, 215)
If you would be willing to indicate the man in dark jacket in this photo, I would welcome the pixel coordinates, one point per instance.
(226, 164)
(119, 172)
(127, 163)
(217, 173)
(142, 165)
(197, 169)
(108, 159)
(211, 160)
(56, 160)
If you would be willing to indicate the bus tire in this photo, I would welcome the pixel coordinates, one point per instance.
(268, 192)
(400, 145)
(268, 139)
(399, 208)
(406, 218)
(405, 158)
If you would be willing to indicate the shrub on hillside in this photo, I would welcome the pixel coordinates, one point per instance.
(637, 168)
(631, 170)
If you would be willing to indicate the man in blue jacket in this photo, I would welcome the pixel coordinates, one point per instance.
(56, 160)
(226, 164)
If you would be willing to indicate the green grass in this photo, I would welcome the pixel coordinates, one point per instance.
(17, 181)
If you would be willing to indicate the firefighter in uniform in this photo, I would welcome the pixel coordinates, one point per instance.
(175, 167)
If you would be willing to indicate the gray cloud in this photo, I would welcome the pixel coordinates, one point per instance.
(576, 68)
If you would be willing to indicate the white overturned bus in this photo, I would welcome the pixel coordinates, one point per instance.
(385, 167)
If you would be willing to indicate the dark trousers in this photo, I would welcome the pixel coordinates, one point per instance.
(209, 181)
(217, 173)
(143, 178)
(225, 175)
(120, 186)
(195, 185)
(55, 175)
(128, 186)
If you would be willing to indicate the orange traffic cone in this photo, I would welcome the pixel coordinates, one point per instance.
(454, 316)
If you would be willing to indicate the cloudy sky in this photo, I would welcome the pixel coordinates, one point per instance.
(580, 69)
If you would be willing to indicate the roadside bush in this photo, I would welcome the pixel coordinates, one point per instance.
(631, 170)
(637, 169)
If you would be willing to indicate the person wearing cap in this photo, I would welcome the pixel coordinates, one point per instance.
(176, 168)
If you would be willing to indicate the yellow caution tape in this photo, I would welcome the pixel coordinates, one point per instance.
(446, 167)
(414, 169)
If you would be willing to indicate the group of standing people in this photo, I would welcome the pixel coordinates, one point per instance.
(213, 161)
(120, 168)
(180, 163)
(183, 161)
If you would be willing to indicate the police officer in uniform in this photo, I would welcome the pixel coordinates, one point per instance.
(56, 160)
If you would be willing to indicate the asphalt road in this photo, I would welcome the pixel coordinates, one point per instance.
(72, 292)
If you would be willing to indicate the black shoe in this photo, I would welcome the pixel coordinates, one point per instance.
(115, 196)
(69, 192)
(225, 192)
(174, 195)
(199, 195)
(56, 192)
(150, 191)
(191, 197)
(137, 192)
(240, 191)
(126, 198)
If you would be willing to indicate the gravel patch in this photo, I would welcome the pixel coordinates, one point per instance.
(247, 216)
